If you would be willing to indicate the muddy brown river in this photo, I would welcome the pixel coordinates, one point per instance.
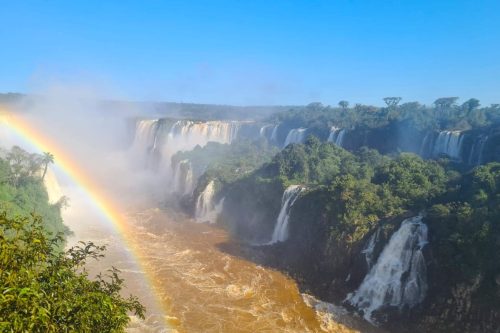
(203, 289)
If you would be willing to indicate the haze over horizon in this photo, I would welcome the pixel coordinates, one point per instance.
(257, 53)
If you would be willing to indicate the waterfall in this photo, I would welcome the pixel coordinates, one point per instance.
(183, 177)
(424, 148)
(370, 247)
(206, 209)
(52, 186)
(145, 137)
(336, 136)
(274, 134)
(476, 153)
(296, 135)
(449, 143)
(398, 278)
(291, 194)
(165, 140)
(264, 131)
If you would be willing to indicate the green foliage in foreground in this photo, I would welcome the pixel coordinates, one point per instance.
(43, 289)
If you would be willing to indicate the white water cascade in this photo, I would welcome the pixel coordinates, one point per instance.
(144, 138)
(337, 136)
(157, 136)
(52, 186)
(207, 210)
(399, 277)
(266, 131)
(291, 194)
(449, 143)
(183, 177)
(476, 153)
(297, 135)
(274, 134)
(370, 247)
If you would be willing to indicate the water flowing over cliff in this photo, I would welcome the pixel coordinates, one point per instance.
(157, 140)
(297, 135)
(183, 177)
(337, 136)
(145, 138)
(398, 278)
(476, 152)
(52, 186)
(266, 131)
(274, 134)
(370, 248)
(207, 210)
(291, 194)
(449, 143)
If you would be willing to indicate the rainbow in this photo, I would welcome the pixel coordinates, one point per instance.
(103, 203)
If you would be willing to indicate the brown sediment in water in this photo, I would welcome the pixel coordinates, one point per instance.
(207, 290)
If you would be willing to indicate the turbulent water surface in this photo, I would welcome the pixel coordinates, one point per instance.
(204, 289)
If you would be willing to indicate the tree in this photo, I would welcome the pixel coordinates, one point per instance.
(470, 105)
(46, 159)
(315, 106)
(344, 104)
(392, 101)
(44, 289)
(445, 102)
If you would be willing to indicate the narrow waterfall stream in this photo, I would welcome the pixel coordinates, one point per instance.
(280, 233)
(337, 136)
(297, 135)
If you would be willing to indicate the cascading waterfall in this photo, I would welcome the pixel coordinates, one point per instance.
(424, 148)
(274, 134)
(476, 153)
(337, 136)
(296, 135)
(449, 143)
(399, 277)
(193, 133)
(183, 177)
(52, 186)
(266, 131)
(291, 194)
(207, 210)
(157, 136)
(370, 247)
(145, 137)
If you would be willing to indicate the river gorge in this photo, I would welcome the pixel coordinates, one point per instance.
(204, 288)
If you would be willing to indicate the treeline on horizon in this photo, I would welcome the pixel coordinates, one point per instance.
(444, 114)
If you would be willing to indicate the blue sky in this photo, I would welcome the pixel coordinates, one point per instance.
(255, 52)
